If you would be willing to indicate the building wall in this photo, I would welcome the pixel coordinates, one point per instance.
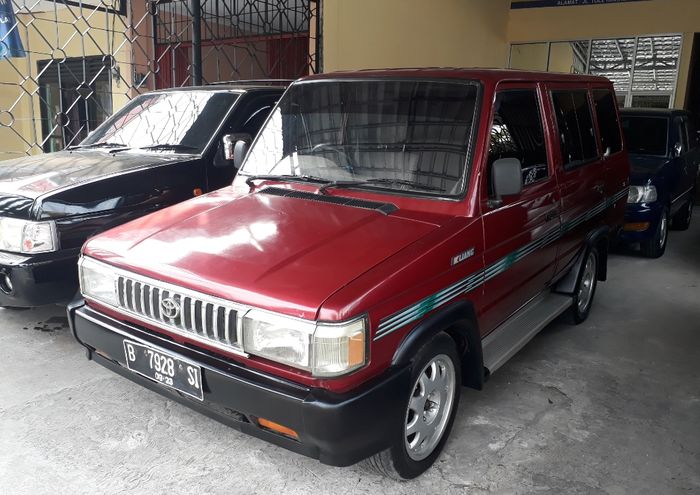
(612, 21)
(407, 33)
(19, 89)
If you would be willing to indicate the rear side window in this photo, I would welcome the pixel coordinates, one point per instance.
(517, 133)
(575, 123)
(646, 135)
(608, 123)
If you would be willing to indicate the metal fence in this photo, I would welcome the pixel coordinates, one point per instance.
(66, 65)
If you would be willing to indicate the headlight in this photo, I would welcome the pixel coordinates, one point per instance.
(98, 281)
(22, 236)
(642, 194)
(323, 349)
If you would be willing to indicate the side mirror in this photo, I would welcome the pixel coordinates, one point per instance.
(235, 148)
(677, 150)
(507, 175)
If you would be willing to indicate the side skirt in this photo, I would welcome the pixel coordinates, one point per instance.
(501, 344)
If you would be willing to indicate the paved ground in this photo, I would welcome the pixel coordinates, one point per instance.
(611, 406)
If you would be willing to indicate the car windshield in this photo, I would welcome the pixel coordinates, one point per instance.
(645, 134)
(178, 121)
(404, 135)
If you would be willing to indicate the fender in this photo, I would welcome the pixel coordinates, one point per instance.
(459, 321)
(598, 237)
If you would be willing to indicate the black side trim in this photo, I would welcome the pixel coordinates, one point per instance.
(459, 321)
(384, 208)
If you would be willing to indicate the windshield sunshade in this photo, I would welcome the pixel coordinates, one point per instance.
(403, 135)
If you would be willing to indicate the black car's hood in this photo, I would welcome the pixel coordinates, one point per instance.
(34, 176)
(645, 167)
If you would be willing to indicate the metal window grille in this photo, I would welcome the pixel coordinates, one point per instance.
(67, 65)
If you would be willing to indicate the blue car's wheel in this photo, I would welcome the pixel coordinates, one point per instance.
(656, 246)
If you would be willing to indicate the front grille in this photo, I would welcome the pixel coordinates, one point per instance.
(182, 312)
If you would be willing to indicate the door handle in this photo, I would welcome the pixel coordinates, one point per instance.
(599, 189)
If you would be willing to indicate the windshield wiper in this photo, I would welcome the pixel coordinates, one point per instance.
(293, 178)
(380, 181)
(169, 146)
(105, 144)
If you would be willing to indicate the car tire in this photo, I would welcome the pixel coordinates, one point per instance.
(586, 285)
(437, 364)
(656, 246)
(681, 220)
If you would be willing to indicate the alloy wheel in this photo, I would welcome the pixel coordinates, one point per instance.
(585, 291)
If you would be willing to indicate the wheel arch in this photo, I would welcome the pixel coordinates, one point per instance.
(598, 238)
(459, 321)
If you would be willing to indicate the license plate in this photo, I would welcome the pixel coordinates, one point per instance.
(164, 368)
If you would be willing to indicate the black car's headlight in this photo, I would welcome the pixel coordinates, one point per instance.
(642, 194)
(27, 237)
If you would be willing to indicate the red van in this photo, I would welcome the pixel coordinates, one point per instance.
(392, 236)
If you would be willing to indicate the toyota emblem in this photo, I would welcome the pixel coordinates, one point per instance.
(170, 308)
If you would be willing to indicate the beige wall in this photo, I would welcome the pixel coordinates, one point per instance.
(612, 21)
(413, 33)
(19, 76)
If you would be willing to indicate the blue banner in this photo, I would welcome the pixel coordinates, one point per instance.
(531, 4)
(10, 42)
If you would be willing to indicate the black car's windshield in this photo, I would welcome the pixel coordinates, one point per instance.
(646, 134)
(403, 135)
(178, 121)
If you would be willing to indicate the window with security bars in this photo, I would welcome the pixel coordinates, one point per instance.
(66, 66)
(643, 69)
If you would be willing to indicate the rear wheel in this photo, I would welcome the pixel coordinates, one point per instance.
(681, 220)
(656, 246)
(585, 287)
(431, 405)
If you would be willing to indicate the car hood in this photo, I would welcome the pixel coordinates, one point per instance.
(644, 168)
(279, 253)
(34, 176)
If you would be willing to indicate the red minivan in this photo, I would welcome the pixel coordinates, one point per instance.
(391, 236)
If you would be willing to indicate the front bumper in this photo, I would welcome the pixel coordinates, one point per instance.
(49, 278)
(337, 429)
(640, 213)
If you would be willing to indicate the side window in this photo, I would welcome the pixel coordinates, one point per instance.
(608, 123)
(575, 124)
(517, 133)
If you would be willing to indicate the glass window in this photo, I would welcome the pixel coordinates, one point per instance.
(578, 141)
(569, 57)
(682, 134)
(645, 135)
(404, 135)
(185, 118)
(517, 133)
(608, 123)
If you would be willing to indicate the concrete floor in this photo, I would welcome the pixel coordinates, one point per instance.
(611, 406)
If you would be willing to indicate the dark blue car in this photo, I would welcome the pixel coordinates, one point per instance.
(664, 154)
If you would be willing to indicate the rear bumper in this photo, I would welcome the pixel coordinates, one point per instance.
(337, 429)
(38, 280)
(636, 215)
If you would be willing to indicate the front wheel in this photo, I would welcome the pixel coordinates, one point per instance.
(431, 405)
(585, 287)
(656, 246)
(681, 220)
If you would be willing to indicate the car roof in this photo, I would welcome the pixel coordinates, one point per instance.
(654, 112)
(487, 75)
(226, 88)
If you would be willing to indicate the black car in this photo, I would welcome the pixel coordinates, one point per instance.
(664, 155)
(162, 148)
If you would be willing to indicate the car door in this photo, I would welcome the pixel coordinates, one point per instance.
(245, 121)
(580, 168)
(519, 250)
(686, 164)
